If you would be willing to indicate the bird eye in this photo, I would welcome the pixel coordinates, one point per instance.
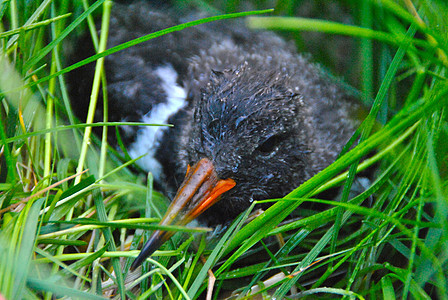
(270, 144)
(213, 127)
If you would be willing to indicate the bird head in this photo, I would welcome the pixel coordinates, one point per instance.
(251, 128)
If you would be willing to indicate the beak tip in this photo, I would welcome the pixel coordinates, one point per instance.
(156, 240)
(139, 260)
(134, 266)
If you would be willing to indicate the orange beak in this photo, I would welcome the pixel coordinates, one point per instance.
(200, 189)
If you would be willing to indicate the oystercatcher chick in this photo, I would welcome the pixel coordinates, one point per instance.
(252, 118)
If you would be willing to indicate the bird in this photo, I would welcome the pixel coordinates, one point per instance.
(252, 118)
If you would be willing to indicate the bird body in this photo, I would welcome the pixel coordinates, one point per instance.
(264, 116)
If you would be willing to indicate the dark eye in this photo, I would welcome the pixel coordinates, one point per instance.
(270, 144)
(213, 127)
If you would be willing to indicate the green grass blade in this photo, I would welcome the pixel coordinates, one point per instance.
(57, 289)
(25, 245)
(44, 51)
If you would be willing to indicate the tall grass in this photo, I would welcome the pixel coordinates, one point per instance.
(69, 204)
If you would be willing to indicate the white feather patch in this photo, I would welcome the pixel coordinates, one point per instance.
(149, 137)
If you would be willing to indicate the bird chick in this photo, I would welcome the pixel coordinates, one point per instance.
(252, 118)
